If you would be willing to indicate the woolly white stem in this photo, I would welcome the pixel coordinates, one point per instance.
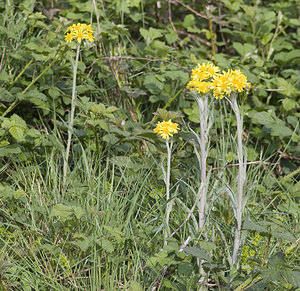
(71, 118)
(203, 115)
(241, 180)
(167, 183)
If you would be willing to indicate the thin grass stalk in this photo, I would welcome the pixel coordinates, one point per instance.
(167, 183)
(241, 180)
(203, 115)
(71, 119)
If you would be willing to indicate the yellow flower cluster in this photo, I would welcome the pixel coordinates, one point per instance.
(250, 251)
(79, 32)
(206, 78)
(166, 129)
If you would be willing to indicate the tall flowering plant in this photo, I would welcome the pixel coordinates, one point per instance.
(207, 79)
(166, 130)
(77, 32)
(201, 82)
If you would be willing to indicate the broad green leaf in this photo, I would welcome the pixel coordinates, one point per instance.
(171, 37)
(115, 232)
(54, 92)
(78, 211)
(37, 15)
(159, 48)
(289, 89)
(207, 246)
(285, 57)
(222, 60)
(111, 109)
(123, 161)
(198, 253)
(280, 130)
(156, 98)
(189, 21)
(19, 194)
(153, 84)
(249, 10)
(160, 258)
(61, 210)
(243, 49)
(151, 34)
(9, 150)
(18, 121)
(135, 3)
(289, 104)
(175, 75)
(293, 277)
(269, 275)
(251, 154)
(264, 118)
(17, 133)
(36, 46)
(4, 76)
(106, 245)
(276, 125)
(6, 95)
(185, 269)
(249, 225)
(136, 286)
(276, 262)
(98, 108)
(266, 38)
(103, 124)
(81, 241)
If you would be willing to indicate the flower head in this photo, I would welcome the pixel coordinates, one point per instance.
(206, 78)
(201, 78)
(238, 81)
(166, 129)
(79, 32)
(204, 71)
(199, 86)
(221, 85)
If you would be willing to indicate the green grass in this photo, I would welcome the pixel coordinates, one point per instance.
(103, 229)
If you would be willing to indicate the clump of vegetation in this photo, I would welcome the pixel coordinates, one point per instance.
(134, 152)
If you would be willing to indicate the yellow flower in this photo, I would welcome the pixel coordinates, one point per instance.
(204, 71)
(201, 87)
(221, 85)
(89, 28)
(89, 36)
(218, 93)
(238, 81)
(78, 27)
(69, 37)
(205, 78)
(256, 239)
(79, 36)
(79, 32)
(166, 129)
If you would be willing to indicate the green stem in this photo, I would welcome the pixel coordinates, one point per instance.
(167, 183)
(71, 120)
(270, 50)
(17, 101)
(241, 180)
(20, 74)
(212, 34)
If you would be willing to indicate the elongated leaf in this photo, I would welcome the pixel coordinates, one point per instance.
(199, 253)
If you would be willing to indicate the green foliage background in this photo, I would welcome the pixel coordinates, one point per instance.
(103, 229)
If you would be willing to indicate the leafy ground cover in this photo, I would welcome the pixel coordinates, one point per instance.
(97, 219)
